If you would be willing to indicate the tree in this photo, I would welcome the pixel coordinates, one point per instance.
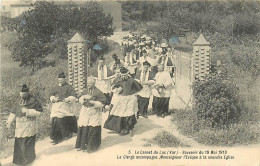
(35, 29)
(46, 28)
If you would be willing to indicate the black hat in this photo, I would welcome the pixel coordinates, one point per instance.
(114, 56)
(24, 88)
(61, 75)
(123, 70)
(145, 63)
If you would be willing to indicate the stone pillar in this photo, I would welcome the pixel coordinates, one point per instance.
(201, 58)
(76, 63)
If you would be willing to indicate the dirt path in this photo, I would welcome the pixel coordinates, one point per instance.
(113, 145)
(145, 129)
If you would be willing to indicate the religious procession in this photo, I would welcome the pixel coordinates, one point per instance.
(125, 88)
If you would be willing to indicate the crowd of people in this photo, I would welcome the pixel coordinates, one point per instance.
(124, 87)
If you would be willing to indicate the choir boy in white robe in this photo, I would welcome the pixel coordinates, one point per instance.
(130, 64)
(104, 77)
(162, 92)
(146, 78)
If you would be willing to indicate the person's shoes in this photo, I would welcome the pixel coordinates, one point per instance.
(124, 132)
(163, 115)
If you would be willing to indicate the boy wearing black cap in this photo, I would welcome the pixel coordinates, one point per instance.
(25, 112)
(63, 120)
(146, 78)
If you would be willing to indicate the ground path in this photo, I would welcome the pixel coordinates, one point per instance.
(144, 130)
(64, 154)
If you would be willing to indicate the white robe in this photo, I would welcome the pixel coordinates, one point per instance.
(146, 91)
(165, 79)
(103, 82)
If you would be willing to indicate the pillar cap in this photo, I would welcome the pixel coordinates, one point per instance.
(77, 38)
(201, 41)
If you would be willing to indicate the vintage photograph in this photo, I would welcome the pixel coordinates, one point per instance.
(130, 82)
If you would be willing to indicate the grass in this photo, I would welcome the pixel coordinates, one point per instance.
(166, 139)
(242, 133)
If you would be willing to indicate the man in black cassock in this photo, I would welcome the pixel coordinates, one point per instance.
(25, 111)
(90, 118)
(63, 119)
(122, 116)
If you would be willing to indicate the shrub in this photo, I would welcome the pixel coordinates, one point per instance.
(166, 139)
(216, 100)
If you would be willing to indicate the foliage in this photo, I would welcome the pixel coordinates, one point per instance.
(216, 100)
(247, 59)
(48, 26)
(240, 133)
(234, 18)
(7, 24)
(166, 139)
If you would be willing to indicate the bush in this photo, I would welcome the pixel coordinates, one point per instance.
(166, 139)
(216, 100)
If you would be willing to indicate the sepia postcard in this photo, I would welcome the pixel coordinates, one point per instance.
(130, 83)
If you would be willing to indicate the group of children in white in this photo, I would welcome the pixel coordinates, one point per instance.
(124, 88)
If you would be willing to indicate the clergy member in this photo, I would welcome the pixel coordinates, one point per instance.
(146, 78)
(122, 116)
(63, 119)
(25, 112)
(104, 77)
(162, 92)
(90, 118)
